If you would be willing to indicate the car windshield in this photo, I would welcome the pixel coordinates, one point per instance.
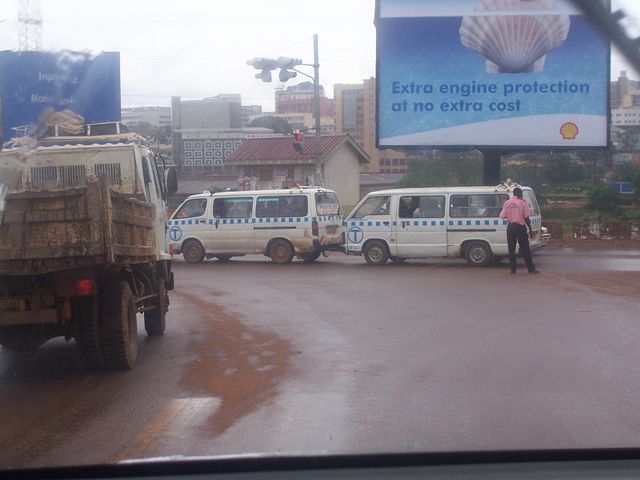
(284, 227)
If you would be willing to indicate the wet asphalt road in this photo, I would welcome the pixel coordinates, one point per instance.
(342, 357)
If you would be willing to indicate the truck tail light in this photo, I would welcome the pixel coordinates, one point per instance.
(314, 228)
(84, 286)
(343, 240)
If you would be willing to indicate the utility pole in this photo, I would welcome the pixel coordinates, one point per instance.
(316, 97)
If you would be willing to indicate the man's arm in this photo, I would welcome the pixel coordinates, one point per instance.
(528, 222)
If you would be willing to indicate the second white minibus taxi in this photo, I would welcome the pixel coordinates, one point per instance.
(435, 222)
(301, 221)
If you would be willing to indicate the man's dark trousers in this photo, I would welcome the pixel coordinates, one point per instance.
(518, 233)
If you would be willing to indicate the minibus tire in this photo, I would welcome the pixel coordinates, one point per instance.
(398, 260)
(281, 252)
(478, 254)
(311, 257)
(192, 251)
(375, 252)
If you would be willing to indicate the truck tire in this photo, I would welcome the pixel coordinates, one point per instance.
(376, 253)
(311, 257)
(192, 251)
(281, 252)
(119, 327)
(155, 321)
(85, 316)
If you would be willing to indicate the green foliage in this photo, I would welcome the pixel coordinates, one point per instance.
(604, 200)
(277, 124)
(447, 169)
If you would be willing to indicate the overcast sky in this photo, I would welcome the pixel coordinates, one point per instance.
(199, 48)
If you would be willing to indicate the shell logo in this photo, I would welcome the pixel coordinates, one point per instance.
(569, 131)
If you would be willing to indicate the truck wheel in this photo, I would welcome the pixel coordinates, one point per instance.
(85, 316)
(375, 253)
(155, 321)
(281, 252)
(192, 251)
(311, 257)
(478, 254)
(119, 327)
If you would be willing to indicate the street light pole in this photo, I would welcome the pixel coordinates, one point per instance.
(316, 97)
(287, 70)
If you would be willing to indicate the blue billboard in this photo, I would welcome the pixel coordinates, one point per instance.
(32, 82)
(490, 73)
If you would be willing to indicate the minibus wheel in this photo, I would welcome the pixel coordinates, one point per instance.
(311, 257)
(398, 260)
(281, 251)
(192, 251)
(478, 254)
(375, 252)
(223, 258)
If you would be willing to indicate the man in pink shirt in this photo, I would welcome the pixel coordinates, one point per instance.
(517, 213)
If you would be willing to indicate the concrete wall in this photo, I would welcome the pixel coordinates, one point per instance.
(341, 173)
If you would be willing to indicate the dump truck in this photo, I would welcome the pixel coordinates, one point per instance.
(83, 245)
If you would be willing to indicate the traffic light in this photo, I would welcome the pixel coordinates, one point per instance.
(298, 141)
(286, 75)
(264, 75)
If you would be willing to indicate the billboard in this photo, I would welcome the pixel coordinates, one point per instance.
(490, 73)
(34, 82)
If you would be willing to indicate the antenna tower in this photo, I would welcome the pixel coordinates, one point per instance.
(30, 25)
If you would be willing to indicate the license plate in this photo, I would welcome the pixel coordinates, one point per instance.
(13, 305)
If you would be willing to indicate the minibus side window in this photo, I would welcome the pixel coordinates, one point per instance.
(476, 205)
(282, 206)
(192, 208)
(374, 206)
(422, 206)
(232, 207)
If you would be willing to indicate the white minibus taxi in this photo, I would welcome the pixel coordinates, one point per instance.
(435, 222)
(302, 222)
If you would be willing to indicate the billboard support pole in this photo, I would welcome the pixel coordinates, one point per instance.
(491, 163)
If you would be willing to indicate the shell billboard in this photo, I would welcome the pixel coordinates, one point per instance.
(490, 73)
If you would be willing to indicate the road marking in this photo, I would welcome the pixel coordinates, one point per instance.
(171, 428)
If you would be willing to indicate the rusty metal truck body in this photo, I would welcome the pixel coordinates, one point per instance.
(83, 246)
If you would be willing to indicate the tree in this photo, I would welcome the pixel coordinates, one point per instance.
(603, 199)
(446, 169)
(277, 124)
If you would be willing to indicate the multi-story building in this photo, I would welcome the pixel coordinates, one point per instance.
(624, 92)
(158, 117)
(296, 104)
(205, 132)
(355, 106)
(249, 112)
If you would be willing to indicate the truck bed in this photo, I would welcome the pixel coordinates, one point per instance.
(50, 231)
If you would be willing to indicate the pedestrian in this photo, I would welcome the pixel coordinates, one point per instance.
(517, 213)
